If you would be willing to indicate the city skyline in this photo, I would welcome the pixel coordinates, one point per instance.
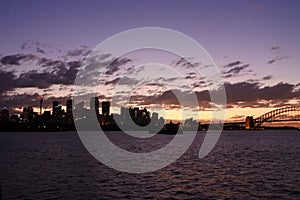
(256, 54)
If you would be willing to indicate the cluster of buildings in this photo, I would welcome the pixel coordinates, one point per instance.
(28, 120)
(59, 119)
(128, 119)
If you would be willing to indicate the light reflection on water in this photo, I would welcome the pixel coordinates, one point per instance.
(243, 165)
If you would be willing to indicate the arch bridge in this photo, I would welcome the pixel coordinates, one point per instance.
(290, 113)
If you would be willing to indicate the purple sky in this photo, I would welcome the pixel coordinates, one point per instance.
(263, 35)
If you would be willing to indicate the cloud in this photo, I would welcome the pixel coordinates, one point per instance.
(232, 64)
(190, 77)
(115, 65)
(7, 81)
(237, 70)
(16, 59)
(19, 100)
(155, 84)
(61, 73)
(199, 84)
(185, 63)
(81, 51)
(275, 48)
(234, 71)
(39, 50)
(35, 46)
(253, 92)
(269, 77)
(276, 59)
(122, 81)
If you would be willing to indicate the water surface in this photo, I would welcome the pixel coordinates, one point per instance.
(243, 165)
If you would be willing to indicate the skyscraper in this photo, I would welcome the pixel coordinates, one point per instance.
(55, 107)
(41, 105)
(69, 106)
(106, 108)
(94, 105)
(154, 118)
(4, 115)
(27, 114)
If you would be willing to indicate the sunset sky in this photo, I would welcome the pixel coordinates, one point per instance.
(255, 45)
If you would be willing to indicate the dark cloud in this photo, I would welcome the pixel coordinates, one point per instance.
(253, 92)
(234, 71)
(186, 63)
(81, 51)
(115, 64)
(122, 81)
(275, 48)
(112, 82)
(276, 59)
(155, 84)
(7, 81)
(51, 64)
(19, 100)
(61, 73)
(232, 64)
(39, 50)
(269, 77)
(199, 84)
(190, 77)
(252, 80)
(34, 44)
(227, 76)
(65, 74)
(15, 59)
(237, 70)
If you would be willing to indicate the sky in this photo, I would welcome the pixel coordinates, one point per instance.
(255, 45)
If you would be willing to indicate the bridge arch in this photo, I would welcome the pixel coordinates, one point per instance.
(274, 115)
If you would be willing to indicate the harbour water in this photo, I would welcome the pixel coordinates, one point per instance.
(243, 165)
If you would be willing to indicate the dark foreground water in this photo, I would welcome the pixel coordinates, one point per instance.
(243, 165)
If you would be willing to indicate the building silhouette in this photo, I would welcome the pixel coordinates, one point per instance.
(58, 119)
(27, 114)
(105, 108)
(140, 117)
(69, 106)
(94, 105)
(154, 118)
(41, 105)
(4, 115)
(55, 107)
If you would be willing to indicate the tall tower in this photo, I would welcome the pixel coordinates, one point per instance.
(54, 107)
(69, 106)
(94, 105)
(41, 105)
(106, 108)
